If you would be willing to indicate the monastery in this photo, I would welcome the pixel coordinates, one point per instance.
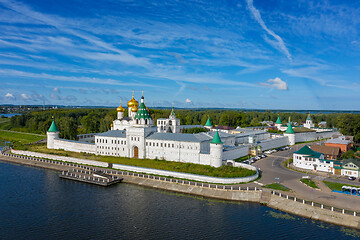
(135, 136)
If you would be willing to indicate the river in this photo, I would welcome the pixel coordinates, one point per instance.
(36, 204)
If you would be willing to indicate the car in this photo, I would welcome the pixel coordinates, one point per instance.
(246, 162)
(257, 158)
(263, 156)
(352, 178)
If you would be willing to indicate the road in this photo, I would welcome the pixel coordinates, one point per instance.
(272, 167)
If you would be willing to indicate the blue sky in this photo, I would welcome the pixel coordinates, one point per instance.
(227, 54)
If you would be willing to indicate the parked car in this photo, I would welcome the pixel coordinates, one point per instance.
(257, 158)
(352, 178)
(263, 156)
(246, 162)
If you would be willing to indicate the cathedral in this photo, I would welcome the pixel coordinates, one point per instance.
(135, 136)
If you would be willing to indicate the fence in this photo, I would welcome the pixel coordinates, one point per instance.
(315, 204)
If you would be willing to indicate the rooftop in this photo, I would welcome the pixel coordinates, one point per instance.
(326, 149)
(305, 150)
(338, 141)
(183, 137)
(113, 133)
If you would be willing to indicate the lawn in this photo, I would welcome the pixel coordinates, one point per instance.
(276, 186)
(309, 182)
(20, 138)
(224, 171)
(337, 186)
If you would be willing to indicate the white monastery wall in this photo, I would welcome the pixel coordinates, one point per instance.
(274, 143)
(236, 152)
(186, 175)
(60, 158)
(144, 170)
(74, 146)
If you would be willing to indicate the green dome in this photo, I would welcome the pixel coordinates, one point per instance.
(208, 123)
(216, 138)
(53, 127)
(142, 112)
(278, 121)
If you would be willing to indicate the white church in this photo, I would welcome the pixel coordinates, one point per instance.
(135, 136)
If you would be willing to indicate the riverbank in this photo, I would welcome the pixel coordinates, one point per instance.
(270, 198)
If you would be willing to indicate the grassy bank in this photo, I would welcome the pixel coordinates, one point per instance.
(224, 171)
(20, 138)
(337, 186)
(309, 182)
(276, 186)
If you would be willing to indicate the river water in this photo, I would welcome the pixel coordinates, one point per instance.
(36, 204)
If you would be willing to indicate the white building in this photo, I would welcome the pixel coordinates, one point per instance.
(309, 123)
(306, 158)
(134, 136)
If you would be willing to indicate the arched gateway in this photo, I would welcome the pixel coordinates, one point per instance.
(136, 152)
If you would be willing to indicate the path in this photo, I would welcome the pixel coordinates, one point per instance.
(272, 167)
(23, 133)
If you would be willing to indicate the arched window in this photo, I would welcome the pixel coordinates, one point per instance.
(137, 121)
(146, 121)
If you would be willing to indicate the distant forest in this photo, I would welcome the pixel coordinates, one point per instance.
(72, 122)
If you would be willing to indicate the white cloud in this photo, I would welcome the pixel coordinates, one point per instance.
(188, 100)
(56, 90)
(10, 96)
(24, 96)
(276, 83)
(279, 43)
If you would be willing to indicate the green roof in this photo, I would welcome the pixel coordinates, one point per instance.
(142, 112)
(305, 150)
(216, 138)
(208, 123)
(278, 121)
(308, 117)
(172, 112)
(53, 127)
(289, 129)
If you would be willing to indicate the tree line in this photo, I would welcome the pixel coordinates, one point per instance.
(72, 122)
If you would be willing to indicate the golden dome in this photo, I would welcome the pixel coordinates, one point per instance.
(111, 125)
(120, 108)
(134, 108)
(132, 102)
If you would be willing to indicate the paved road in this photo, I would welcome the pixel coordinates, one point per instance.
(272, 167)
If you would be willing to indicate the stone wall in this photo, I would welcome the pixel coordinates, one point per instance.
(74, 146)
(140, 169)
(274, 143)
(200, 178)
(235, 152)
(60, 158)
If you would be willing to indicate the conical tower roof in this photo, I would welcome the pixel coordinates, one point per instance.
(216, 138)
(53, 127)
(278, 121)
(289, 129)
(172, 114)
(208, 123)
(142, 112)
